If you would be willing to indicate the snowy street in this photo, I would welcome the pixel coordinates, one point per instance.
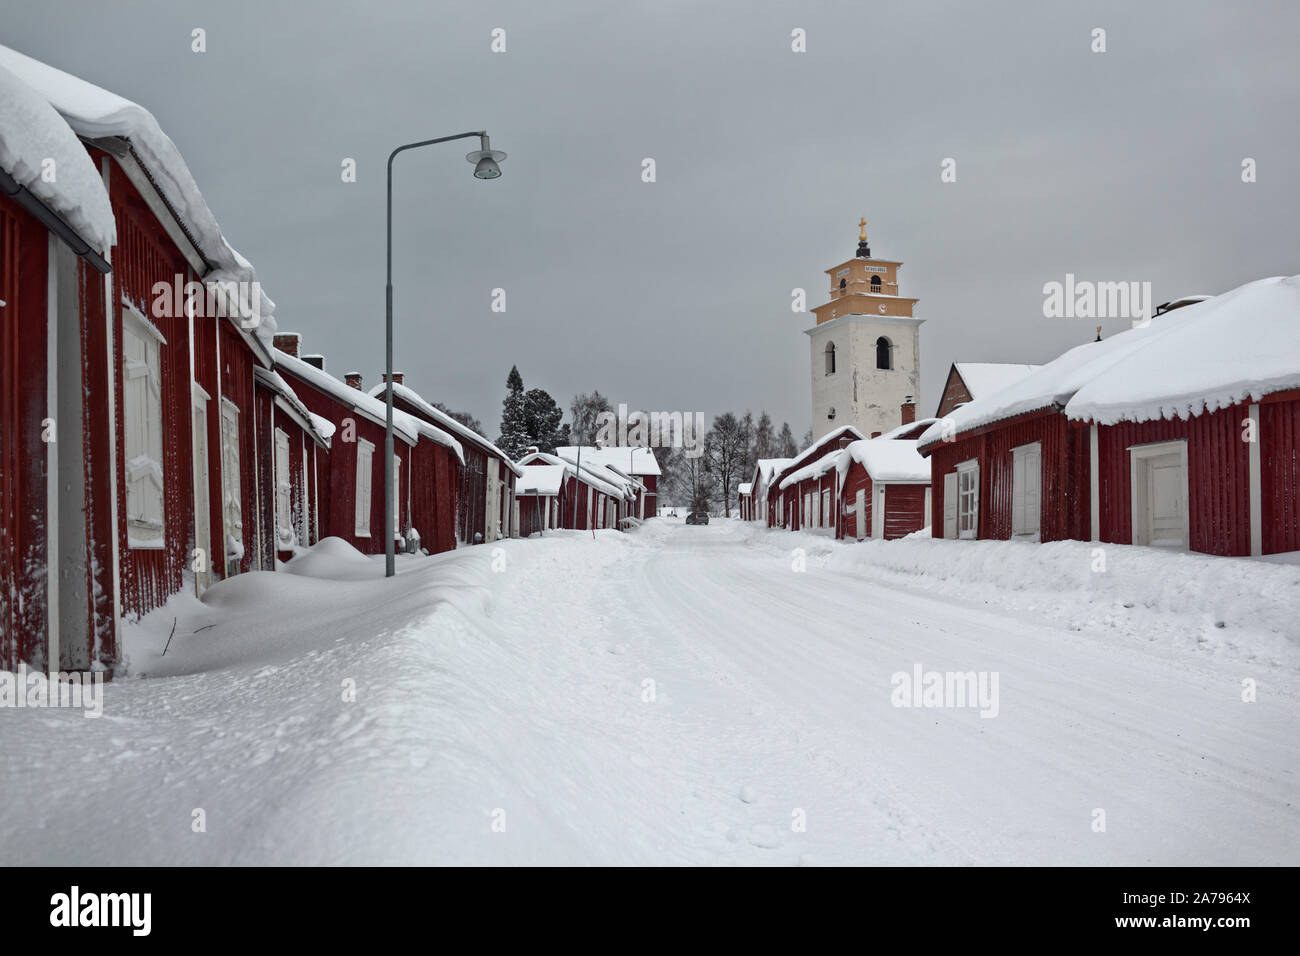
(683, 695)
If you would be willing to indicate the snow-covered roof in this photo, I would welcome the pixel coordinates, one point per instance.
(765, 468)
(540, 479)
(32, 133)
(441, 419)
(584, 474)
(887, 459)
(809, 453)
(632, 460)
(1242, 344)
(745, 488)
(985, 378)
(275, 381)
(410, 427)
(814, 469)
(95, 113)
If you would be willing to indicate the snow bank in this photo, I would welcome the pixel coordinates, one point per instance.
(1239, 608)
(31, 133)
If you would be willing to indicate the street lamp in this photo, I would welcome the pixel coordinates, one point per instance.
(485, 160)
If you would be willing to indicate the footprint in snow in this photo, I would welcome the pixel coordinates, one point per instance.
(765, 836)
(748, 794)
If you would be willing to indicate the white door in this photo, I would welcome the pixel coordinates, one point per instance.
(878, 512)
(860, 506)
(950, 505)
(1164, 522)
(825, 508)
(1026, 496)
(200, 558)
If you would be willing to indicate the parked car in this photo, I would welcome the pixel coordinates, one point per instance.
(697, 517)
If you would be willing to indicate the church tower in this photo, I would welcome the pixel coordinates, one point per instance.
(866, 348)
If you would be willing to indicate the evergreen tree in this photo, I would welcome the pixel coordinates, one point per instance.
(514, 436)
(786, 448)
(764, 439)
(542, 421)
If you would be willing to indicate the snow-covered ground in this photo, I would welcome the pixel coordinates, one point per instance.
(685, 695)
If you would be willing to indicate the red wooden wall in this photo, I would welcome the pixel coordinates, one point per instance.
(1218, 478)
(145, 255)
(23, 545)
(1279, 436)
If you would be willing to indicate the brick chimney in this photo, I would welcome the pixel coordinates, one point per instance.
(397, 377)
(353, 379)
(317, 361)
(908, 410)
(288, 342)
(532, 450)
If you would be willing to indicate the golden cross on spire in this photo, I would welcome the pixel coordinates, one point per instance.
(862, 232)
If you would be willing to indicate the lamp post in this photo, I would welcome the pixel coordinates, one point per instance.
(485, 160)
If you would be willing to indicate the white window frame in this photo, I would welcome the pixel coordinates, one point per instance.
(397, 497)
(968, 472)
(284, 531)
(232, 496)
(1022, 525)
(143, 428)
(365, 473)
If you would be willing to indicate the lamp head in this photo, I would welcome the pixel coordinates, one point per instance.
(486, 160)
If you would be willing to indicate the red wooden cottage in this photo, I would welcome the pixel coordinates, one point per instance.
(884, 486)
(588, 497)
(803, 494)
(745, 500)
(162, 323)
(1180, 433)
(425, 493)
(765, 469)
(968, 381)
(637, 462)
(486, 478)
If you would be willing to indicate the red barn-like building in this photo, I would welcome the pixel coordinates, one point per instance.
(1179, 433)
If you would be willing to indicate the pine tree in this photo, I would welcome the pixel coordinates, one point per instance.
(542, 421)
(764, 440)
(514, 436)
(786, 448)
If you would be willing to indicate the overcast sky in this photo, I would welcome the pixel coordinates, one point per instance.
(675, 295)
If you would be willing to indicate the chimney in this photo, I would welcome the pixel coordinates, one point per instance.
(846, 441)
(532, 450)
(317, 361)
(909, 410)
(876, 434)
(288, 342)
(353, 379)
(397, 377)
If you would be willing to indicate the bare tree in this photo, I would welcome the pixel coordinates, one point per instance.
(584, 412)
(725, 448)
